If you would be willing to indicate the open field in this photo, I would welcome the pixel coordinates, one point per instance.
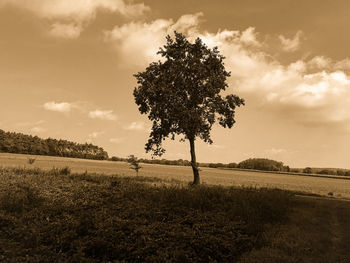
(211, 176)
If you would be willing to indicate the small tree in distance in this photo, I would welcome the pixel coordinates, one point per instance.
(181, 95)
(134, 162)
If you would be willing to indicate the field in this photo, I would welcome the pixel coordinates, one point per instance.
(337, 187)
(46, 216)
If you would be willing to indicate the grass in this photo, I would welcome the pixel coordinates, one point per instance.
(58, 216)
(210, 176)
(313, 233)
(50, 217)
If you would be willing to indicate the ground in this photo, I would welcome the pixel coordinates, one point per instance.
(109, 214)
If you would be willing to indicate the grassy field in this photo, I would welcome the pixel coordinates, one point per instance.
(54, 216)
(339, 188)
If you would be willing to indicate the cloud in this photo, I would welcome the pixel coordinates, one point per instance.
(81, 10)
(137, 43)
(70, 17)
(274, 151)
(312, 91)
(135, 126)
(249, 37)
(102, 115)
(38, 129)
(216, 146)
(68, 31)
(95, 134)
(291, 45)
(116, 140)
(58, 106)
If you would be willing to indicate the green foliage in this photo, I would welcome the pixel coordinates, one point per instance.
(13, 142)
(262, 164)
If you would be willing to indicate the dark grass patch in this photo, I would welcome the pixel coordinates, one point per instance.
(92, 218)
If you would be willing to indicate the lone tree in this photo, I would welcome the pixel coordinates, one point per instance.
(134, 163)
(181, 95)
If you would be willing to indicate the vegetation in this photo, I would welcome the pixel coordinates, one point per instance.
(263, 165)
(182, 95)
(50, 216)
(12, 142)
(135, 164)
(31, 160)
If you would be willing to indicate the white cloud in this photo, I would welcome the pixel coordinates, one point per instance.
(249, 37)
(69, 31)
(137, 43)
(291, 45)
(136, 126)
(103, 115)
(58, 106)
(320, 62)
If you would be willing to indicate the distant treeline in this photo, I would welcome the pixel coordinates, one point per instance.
(328, 171)
(261, 164)
(13, 142)
(256, 164)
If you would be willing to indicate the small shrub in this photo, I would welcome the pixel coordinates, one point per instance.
(134, 163)
(31, 160)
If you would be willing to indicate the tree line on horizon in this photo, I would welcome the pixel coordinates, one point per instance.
(261, 164)
(14, 142)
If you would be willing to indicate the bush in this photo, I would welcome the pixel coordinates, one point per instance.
(340, 172)
(261, 164)
(307, 170)
(31, 160)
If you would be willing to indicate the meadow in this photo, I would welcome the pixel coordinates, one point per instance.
(55, 216)
(323, 185)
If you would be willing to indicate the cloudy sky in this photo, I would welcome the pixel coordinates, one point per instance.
(66, 71)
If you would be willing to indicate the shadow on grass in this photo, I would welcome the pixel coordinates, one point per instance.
(48, 216)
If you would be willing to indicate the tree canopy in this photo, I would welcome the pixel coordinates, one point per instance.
(181, 94)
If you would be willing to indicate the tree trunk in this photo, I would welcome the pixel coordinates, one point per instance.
(196, 180)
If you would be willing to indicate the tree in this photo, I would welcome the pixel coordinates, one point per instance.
(181, 95)
(134, 162)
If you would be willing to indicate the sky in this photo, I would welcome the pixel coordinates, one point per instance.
(66, 71)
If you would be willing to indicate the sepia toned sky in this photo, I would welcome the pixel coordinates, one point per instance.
(66, 71)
